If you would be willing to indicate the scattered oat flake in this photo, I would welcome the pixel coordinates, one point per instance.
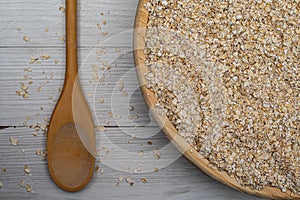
(116, 117)
(124, 93)
(19, 93)
(99, 26)
(137, 170)
(25, 95)
(42, 126)
(156, 154)
(135, 116)
(155, 169)
(46, 30)
(129, 181)
(45, 56)
(141, 153)
(14, 141)
(101, 128)
(28, 187)
(26, 169)
(23, 86)
(27, 69)
(62, 9)
(33, 60)
(62, 38)
(104, 22)
(4, 169)
(121, 178)
(26, 39)
(101, 100)
(131, 108)
(144, 180)
(121, 85)
(40, 152)
(56, 61)
(22, 183)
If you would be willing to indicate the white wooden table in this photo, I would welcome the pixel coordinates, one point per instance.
(126, 146)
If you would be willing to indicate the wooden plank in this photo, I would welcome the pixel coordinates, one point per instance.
(30, 18)
(174, 180)
(49, 77)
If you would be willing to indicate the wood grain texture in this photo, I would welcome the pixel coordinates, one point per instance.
(32, 17)
(49, 76)
(175, 181)
(179, 180)
(189, 152)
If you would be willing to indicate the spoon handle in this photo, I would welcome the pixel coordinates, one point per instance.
(71, 46)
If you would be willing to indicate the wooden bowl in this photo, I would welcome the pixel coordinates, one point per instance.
(188, 151)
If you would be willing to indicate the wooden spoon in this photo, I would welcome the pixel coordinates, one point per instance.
(71, 137)
(141, 21)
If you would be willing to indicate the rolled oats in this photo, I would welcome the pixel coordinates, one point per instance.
(226, 74)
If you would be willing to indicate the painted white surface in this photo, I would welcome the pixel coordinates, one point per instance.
(176, 178)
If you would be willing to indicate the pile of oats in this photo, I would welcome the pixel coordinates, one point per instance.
(227, 75)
